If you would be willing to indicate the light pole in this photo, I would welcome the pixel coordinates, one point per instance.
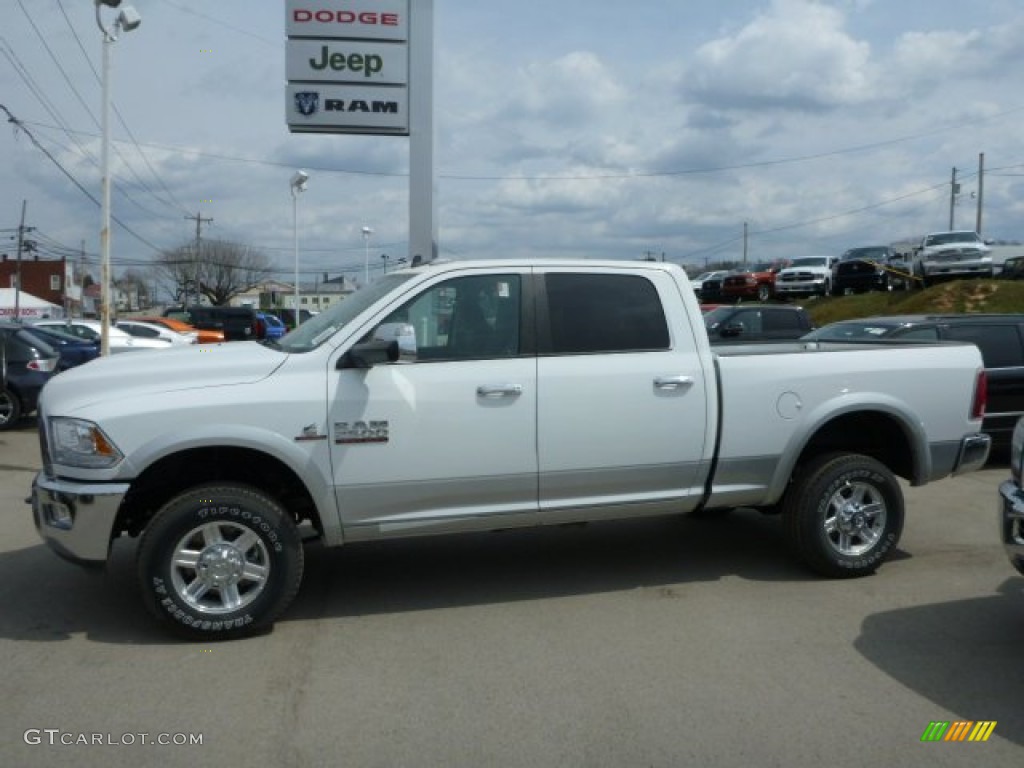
(127, 20)
(366, 243)
(298, 184)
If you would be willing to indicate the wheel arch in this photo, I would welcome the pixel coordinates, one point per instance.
(169, 475)
(883, 433)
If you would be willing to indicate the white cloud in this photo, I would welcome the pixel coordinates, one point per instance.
(797, 55)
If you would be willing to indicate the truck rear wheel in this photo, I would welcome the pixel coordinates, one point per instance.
(843, 514)
(220, 561)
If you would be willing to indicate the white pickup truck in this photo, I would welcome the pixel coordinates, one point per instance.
(479, 396)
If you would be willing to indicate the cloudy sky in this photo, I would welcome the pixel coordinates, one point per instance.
(564, 128)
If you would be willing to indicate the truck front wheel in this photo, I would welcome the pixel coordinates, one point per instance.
(843, 514)
(220, 561)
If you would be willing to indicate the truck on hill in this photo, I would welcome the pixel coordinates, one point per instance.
(477, 396)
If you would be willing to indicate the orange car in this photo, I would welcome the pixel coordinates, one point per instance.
(204, 337)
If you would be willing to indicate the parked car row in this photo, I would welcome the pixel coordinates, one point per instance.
(857, 270)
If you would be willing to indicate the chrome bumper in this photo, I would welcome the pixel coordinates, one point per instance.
(1011, 522)
(76, 519)
(973, 453)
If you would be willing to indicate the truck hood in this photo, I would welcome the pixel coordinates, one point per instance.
(154, 373)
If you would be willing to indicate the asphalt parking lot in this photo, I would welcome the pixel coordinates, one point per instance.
(653, 643)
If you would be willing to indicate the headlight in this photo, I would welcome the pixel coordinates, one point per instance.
(79, 443)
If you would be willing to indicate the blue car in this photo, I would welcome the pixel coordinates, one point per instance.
(26, 364)
(72, 350)
(275, 329)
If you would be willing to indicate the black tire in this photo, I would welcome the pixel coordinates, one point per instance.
(764, 292)
(10, 409)
(843, 514)
(230, 589)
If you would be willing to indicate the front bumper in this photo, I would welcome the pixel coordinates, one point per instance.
(1011, 522)
(76, 519)
(809, 288)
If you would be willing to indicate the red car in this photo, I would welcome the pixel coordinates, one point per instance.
(756, 282)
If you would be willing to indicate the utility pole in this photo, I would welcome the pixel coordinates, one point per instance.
(954, 190)
(17, 284)
(981, 191)
(745, 231)
(199, 222)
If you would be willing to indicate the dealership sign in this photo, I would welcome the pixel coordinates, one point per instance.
(364, 20)
(347, 66)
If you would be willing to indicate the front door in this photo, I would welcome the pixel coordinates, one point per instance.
(447, 442)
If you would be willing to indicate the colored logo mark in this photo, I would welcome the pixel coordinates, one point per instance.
(960, 730)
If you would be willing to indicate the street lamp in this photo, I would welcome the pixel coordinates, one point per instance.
(127, 20)
(298, 184)
(366, 242)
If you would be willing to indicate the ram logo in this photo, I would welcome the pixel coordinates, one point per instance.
(307, 102)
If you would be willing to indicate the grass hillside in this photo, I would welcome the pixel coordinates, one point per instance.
(955, 296)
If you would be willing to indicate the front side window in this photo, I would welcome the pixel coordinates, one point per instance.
(604, 313)
(466, 318)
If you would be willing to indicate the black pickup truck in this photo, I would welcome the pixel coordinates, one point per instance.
(748, 323)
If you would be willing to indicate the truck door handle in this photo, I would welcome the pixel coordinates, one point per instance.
(673, 382)
(499, 390)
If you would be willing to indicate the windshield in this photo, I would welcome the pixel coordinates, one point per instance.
(716, 316)
(810, 261)
(315, 331)
(851, 331)
(952, 237)
(878, 254)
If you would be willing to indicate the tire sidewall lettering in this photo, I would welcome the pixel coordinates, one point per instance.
(266, 526)
(884, 544)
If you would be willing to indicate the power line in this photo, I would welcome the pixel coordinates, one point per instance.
(12, 119)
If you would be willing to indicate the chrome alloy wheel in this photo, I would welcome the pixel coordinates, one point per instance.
(220, 567)
(855, 519)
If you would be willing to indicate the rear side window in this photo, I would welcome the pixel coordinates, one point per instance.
(1000, 345)
(604, 313)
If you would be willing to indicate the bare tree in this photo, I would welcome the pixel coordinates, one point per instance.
(223, 271)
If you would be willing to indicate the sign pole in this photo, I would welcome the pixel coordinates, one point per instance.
(422, 176)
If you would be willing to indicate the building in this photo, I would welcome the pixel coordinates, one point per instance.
(316, 296)
(45, 278)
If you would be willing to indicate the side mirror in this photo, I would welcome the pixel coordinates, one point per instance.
(404, 334)
(390, 343)
(368, 354)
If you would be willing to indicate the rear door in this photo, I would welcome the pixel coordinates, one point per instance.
(622, 411)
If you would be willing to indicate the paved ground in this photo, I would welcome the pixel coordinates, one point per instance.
(653, 643)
